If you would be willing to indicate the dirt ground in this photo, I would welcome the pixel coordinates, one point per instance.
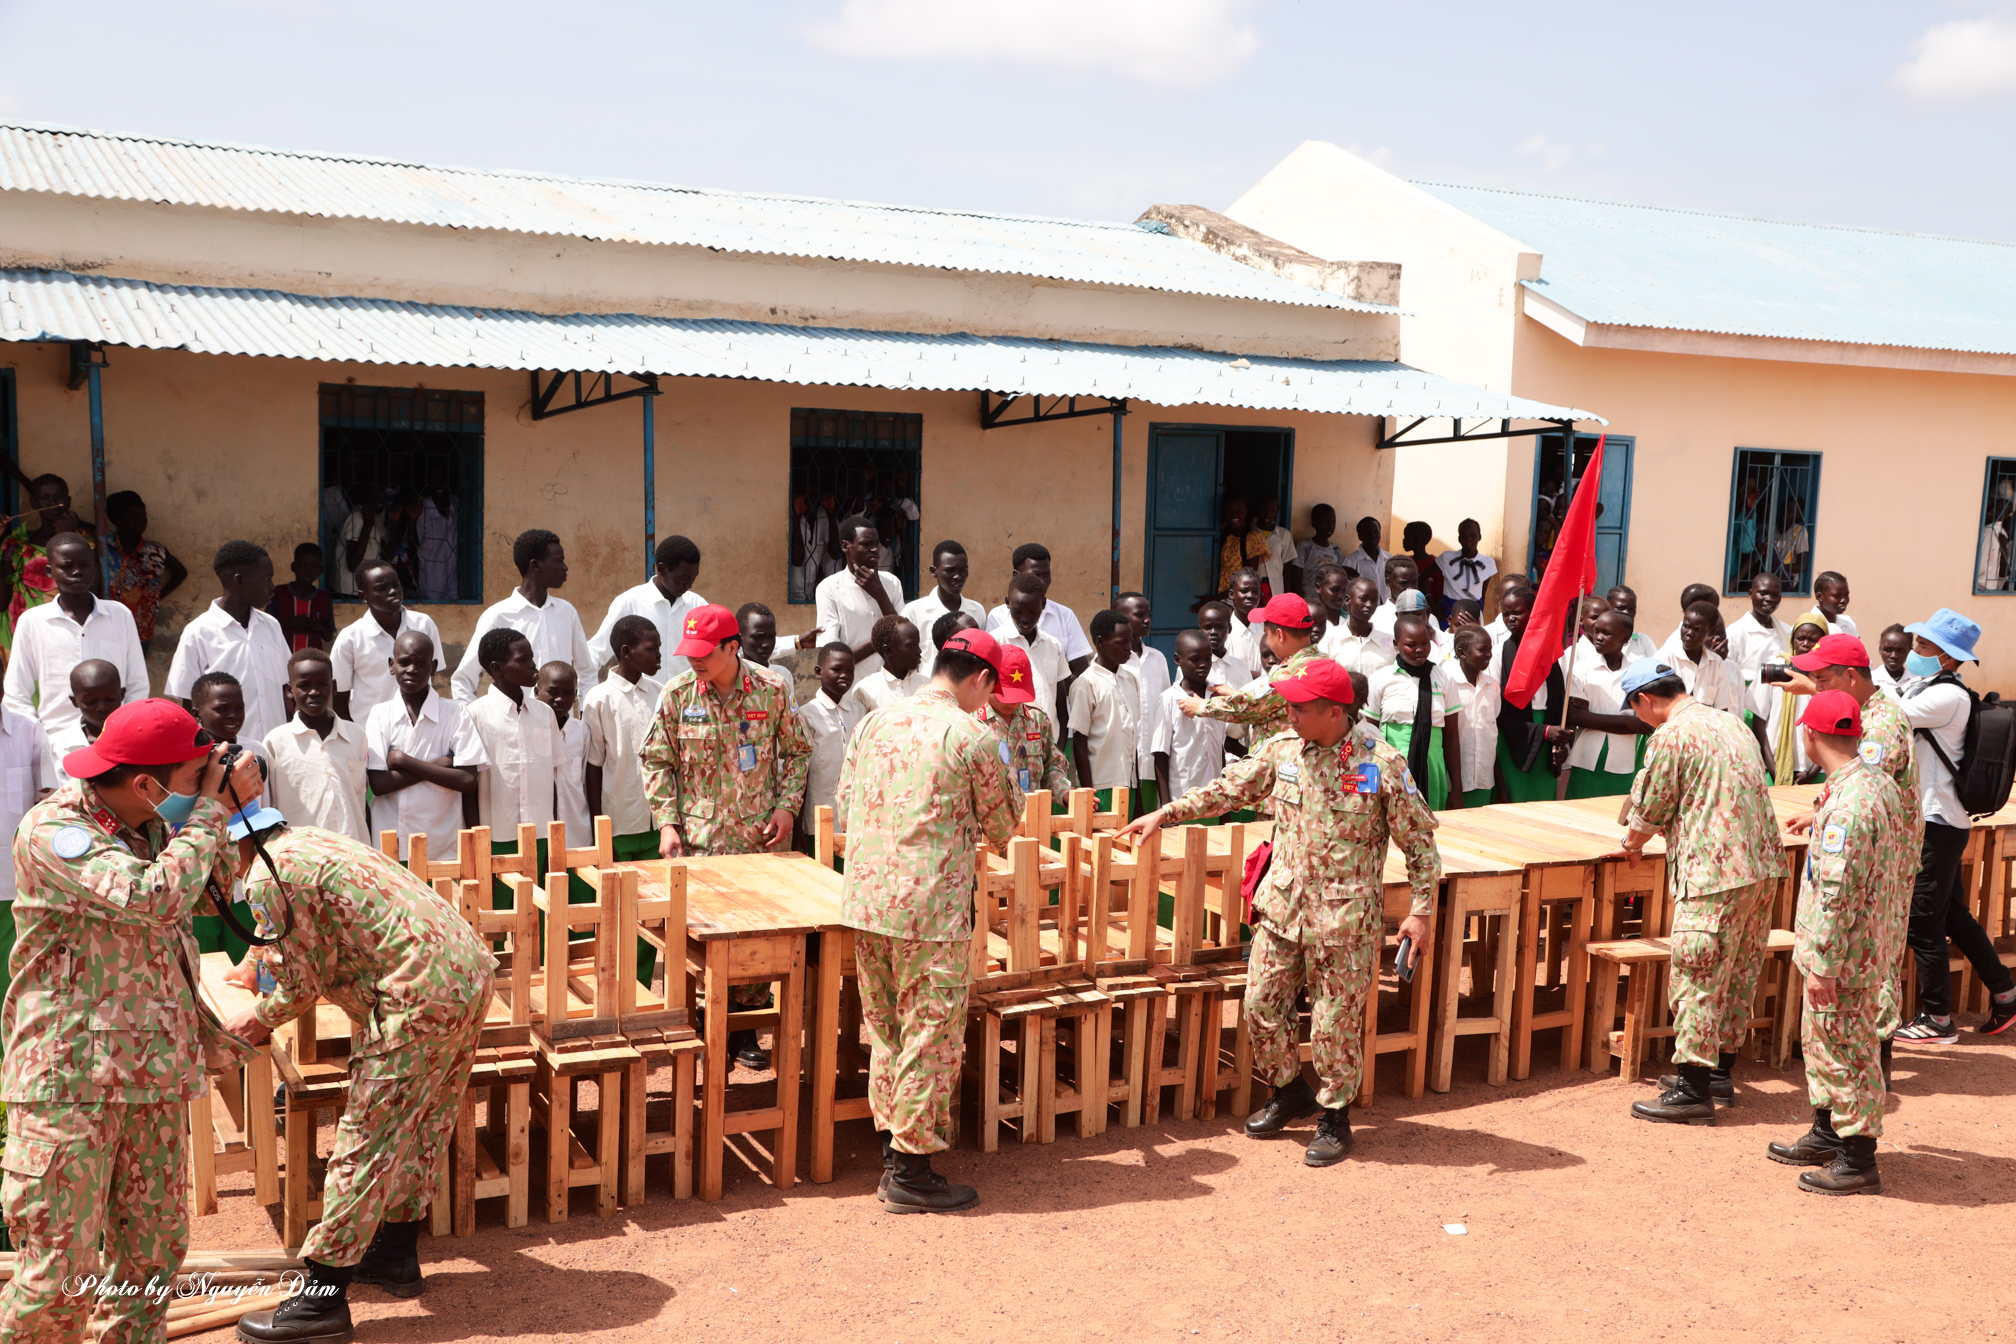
(1580, 1223)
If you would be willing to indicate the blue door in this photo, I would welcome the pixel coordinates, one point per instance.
(1554, 486)
(1191, 469)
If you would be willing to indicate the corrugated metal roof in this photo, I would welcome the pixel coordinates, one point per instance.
(60, 306)
(1646, 266)
(76, 162)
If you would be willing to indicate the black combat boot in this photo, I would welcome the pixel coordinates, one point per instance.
(1885, 1056)
(1333, 1139)
(888, 1142)
(1721, 1085)
(1852, 1172)
(1815, 1148)
(1690, 1103)
(392, 1261)
(318, 1314)
(745, 1050)
(915, 1188)
(1284, 1108)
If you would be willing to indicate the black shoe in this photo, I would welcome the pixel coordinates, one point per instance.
(1333, 1139)
(1284, 1108)
(915, 1188)
(1690, 1103)
(888, 1142)
(392, 1261)
(1852, 1172)
(2000, 1017)
(319, 1313)
(744, 1050)
(1884, 1056)
(1926, 1030)
(1817, 1147)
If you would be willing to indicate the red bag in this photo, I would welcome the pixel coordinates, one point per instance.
(1256, 871)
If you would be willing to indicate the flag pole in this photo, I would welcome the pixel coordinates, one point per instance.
(1568, 681)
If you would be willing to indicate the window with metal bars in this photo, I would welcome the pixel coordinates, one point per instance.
(1773, 500)
(1994, 557)
(844, 463)
(402, 481)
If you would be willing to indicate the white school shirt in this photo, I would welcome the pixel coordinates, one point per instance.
(648, 601)
(828, 724)
(1885, 682)
(1942, 710)
(319, 781)
(256, 653)
(1244, 643)
(1370, 567)
(554, 630)
(61, 743)
(1477, 732)
(846, 613)
(1750, 644)
(1058, 621)
(522, 744)
(1106, 708)
(1195, 747)
(441, 728)
(1047, 664)
(1355, 654)
(1280, 550)
(24, 754)
(48, 643)
(570, 784)
(1308, 555)
(1713, 681)
(927, 611)
(361, 658)
(1230, 670)
(1844, 624)
(1640, 645)
(1150, 667)
(1391, 696)
(1602, 689)
(1463, 578)
(882, 688)
(618, 716)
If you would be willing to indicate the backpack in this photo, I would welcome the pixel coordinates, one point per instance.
(1987, 754)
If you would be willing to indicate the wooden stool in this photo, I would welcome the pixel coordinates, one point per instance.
(236, 1135)
(1641, 1024)
(1546, 888)
(1485, 898)
(1227, 1063)
(1617, 881)
(495, 1161)
(555, 1110)
(641, 1141)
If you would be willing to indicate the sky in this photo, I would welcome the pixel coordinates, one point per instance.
(1897, 115)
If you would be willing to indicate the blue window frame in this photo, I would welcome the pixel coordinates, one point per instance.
(414, 457)
(10, 445)
(1774, 500)
(844, 463)
(1994, 558)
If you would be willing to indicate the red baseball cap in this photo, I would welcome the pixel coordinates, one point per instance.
(1287, 610)
(1833, 712)
(982, 646)
(1016, 677)
(1319, 679)
(1833, 651)
(704, 629)
(146, 732)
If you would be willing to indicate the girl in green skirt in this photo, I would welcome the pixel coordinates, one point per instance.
(1409, 703)
(1606, 757)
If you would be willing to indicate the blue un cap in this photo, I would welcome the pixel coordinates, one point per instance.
(253, 820)
(1950, 631)
(1640, 675)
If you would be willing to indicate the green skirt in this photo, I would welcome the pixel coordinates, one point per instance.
(1526, 786)
(1601, 783)
(1435, 788)
(1476, 797)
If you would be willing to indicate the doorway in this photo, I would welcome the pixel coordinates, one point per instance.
(1554, 480)
(1192, 470)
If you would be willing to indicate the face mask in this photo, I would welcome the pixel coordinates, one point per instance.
(1922, 665)
(175, 808)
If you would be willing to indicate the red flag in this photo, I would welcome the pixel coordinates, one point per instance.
(1571, 573)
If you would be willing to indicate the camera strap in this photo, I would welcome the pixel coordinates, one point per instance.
(222, 900)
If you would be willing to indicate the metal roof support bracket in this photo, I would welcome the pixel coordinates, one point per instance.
(1398, 439)
(1066, 408)
(589, 389)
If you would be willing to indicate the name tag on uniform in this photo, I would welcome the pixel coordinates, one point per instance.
(693, 714)
(1023, 781)
(1366, 780)
(1291, 770)
(1832, 839)
(1872, 753)
(745, 757)
(758, 715)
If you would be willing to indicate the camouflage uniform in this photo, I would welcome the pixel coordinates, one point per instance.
(1319, 915)
(1703, 787)
(1888, 744)
(415, 979)
(921, 789)
(104, 1043)
(1851, 921)
(1265, 712)
(1028, 749)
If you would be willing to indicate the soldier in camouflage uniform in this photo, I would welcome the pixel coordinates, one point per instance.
(104, 1038)
(1319, 915)
(382, 945)
(921, 789)
(1290, 635)
(1852, 913)
(1028, 747)
(725, 765)
(1703, 788)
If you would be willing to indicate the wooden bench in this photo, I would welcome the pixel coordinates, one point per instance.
(1640, 1022)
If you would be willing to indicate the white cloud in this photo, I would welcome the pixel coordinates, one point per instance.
(1539, 147)
(1171, 42)
(1965, 61)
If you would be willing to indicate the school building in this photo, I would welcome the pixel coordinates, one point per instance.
(1797, 398)
(256, 340)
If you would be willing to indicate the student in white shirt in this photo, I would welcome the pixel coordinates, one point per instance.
(1757, 635)
(1393, 704)
(1033, 560)
(1228, 666)
(1606, 756)
(758, 625)
(663, 599)
(1369, 559)
(558, 687)
(1280, 544)
(55, 637)
(218, 702)
(548, 621)
(1893, 648)
(1830, 598)
(1475, 699)
(1640, 645)
(95, 691)
(828, 719)
(1506, 584)
(1151, 677)
(901, 675)
(236, 635)
(425, 755)
(1188, 752)
(1048, 662)
(850, 602)
(319, 757)
(1106, 710)
(1707, 675)
(950, 566)
(1246, 596)
(1318, 550)
(1353, 641)
(521, 741)
(24, 751)
(1466, 572)
(361, 655)
(618, 714)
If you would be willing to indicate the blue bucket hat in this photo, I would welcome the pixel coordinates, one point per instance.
(1950, 631)
(253, 820)
(1640, 675)
(1410, 599)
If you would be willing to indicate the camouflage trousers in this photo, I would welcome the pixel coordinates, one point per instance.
(384, 1168)
(1718, 953)
(78, 1176)
(1844, 1065)
(913, 1002)
(1338, 977)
